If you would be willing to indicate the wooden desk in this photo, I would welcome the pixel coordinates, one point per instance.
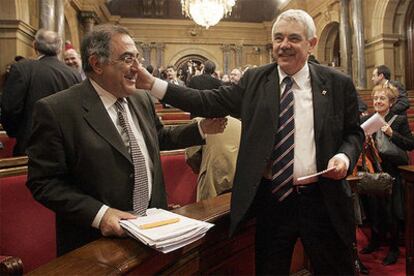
(213, 254)
(407, 173)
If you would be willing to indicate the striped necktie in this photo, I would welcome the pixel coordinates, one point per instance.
(140, 193)
(283, 152)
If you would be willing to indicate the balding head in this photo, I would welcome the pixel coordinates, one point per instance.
(47, 42)
(235, 75)
(72, 59)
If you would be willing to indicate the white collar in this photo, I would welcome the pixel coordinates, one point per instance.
(300, 77)
(107, 98)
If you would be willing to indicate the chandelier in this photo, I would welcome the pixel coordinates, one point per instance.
(207, 12)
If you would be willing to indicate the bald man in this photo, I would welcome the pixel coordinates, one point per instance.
(31, 80)
(73, 59)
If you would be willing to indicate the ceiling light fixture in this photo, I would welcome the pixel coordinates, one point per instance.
(207, 12)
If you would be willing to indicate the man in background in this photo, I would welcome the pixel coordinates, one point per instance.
(214, 162)
(31, 80)
(73, 59)
(172, 75)
(235, 76)
(382, 75)
(206, 79)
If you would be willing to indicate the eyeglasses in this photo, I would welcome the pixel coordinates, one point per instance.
(129, 59)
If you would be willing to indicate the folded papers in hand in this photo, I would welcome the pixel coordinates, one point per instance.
(166, 237)
(374, 123)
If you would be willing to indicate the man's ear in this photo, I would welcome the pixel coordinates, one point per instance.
(312, 42)
(96, 65)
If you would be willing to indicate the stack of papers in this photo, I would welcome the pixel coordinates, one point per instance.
(165, 231)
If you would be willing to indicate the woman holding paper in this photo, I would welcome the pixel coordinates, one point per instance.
(387, 214)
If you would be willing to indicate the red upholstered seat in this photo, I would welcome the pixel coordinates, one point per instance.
(180, 180)
(411, 157)
(7, 145)
(27, 229)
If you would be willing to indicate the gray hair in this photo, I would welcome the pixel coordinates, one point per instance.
(48, 42)
(98, 42)
(299, 16)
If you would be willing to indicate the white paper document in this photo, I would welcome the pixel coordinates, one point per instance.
(167, 237)
(304, 179)
(374, 123)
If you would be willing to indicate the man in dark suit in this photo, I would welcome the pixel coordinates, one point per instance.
(315, 108)
(206, 80)
(171, 71)
(382, 75)
(31, 80)
(94, 153)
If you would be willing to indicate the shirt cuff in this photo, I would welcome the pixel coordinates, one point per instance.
(202, 134)
(159, 88)
(344, 158)
(97, 220)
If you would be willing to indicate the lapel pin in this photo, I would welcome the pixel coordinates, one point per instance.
(324, 92)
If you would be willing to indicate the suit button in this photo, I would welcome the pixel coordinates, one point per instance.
(131, 175)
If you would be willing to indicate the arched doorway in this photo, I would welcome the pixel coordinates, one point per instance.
(328, 51)
(183, 63)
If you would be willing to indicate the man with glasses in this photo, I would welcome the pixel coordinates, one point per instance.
(94, 153)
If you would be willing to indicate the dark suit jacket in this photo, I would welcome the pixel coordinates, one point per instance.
(28, 82)
(402, 103)
(255, 100)
(77, 160)
(204, 81)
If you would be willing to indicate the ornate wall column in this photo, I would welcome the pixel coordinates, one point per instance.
(88, 20)
(60, 18)
(345, 38)
(160, 54)
(146, 49)
(47, 14)
(269, 49)
(226, 57)
(358, 22)
(238, 49)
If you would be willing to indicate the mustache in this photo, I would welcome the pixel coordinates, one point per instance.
(282, 52)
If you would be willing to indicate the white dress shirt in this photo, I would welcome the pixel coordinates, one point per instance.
(305, 150)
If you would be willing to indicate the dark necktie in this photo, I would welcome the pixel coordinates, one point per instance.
(140, 193)
(283, 152)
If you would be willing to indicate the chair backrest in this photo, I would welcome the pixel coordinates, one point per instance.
(27, 229)
(180, 180)
(174, 116)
